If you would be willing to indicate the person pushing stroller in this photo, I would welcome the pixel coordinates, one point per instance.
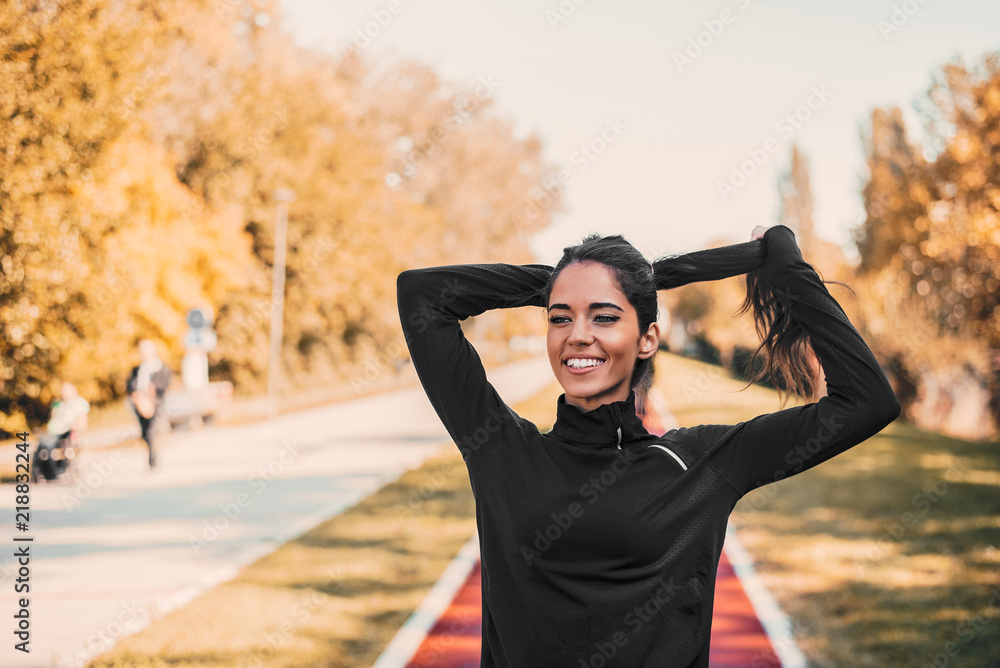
(58, 446)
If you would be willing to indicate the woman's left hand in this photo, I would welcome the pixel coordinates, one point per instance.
(758, 232)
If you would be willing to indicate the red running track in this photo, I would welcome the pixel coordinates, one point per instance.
(738, 638)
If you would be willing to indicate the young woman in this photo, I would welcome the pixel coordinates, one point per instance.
(600, 541)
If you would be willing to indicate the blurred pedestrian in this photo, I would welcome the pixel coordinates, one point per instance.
(58, 446)
(146, 386)
(69, 414)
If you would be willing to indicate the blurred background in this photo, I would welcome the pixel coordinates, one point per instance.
(146, 142)
(241, 181)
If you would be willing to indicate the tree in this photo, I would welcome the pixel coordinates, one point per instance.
(795, 196)
(143, 141)
(930, 244)
(63, 101)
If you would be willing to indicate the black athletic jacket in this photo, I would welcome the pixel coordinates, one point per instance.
(600, 541)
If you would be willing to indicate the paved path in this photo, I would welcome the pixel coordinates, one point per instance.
(127, 545)
(738, 637)
(738, 640)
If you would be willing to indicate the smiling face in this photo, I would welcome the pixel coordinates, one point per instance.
(593, 336)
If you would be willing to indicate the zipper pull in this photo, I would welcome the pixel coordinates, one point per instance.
(618, 419)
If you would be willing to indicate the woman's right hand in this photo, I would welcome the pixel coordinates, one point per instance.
(758, 232)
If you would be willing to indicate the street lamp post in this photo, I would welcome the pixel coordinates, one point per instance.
(282, 196)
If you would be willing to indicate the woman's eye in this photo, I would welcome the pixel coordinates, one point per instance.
(558, 319)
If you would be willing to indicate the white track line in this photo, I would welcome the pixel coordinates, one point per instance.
(407, 640)
(776, 623)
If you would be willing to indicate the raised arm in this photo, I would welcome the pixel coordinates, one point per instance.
(859, 401)
(431, 301)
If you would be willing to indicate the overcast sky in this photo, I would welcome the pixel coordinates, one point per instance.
(683, 92)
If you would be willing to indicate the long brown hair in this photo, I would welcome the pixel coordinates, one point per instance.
(785, 343)
(783, 340)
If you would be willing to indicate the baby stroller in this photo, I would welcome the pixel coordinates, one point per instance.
(54, 456)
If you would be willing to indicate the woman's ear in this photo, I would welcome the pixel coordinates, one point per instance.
(650, 341)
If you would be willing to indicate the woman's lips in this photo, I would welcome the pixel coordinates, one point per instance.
(585, 369)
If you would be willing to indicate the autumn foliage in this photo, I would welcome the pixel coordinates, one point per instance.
(930, 244)
(141, 143)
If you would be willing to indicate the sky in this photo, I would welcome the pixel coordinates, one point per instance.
(689, 109)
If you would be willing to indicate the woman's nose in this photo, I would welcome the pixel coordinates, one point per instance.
(580, 331)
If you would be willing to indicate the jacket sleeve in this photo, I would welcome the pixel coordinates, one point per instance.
(161, 379)
(431, 302)
(130, 384)
(859, 401)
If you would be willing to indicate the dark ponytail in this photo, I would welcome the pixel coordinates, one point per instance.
(782, 338)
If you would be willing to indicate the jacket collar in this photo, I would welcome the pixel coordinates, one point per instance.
(609, 425)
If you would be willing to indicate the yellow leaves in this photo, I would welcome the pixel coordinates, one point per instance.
(144, 141)
(939, 212)
(187, 253)
(973, 179)
(919, 192)
(964, 147)
(993, 194)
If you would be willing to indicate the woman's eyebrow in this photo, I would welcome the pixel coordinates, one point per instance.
(593, 305)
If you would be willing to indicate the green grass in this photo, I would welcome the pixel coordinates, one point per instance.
(863, 583)
(882, 555)
(342, 590)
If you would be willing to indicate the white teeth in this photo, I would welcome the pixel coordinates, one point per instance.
(578, 363)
